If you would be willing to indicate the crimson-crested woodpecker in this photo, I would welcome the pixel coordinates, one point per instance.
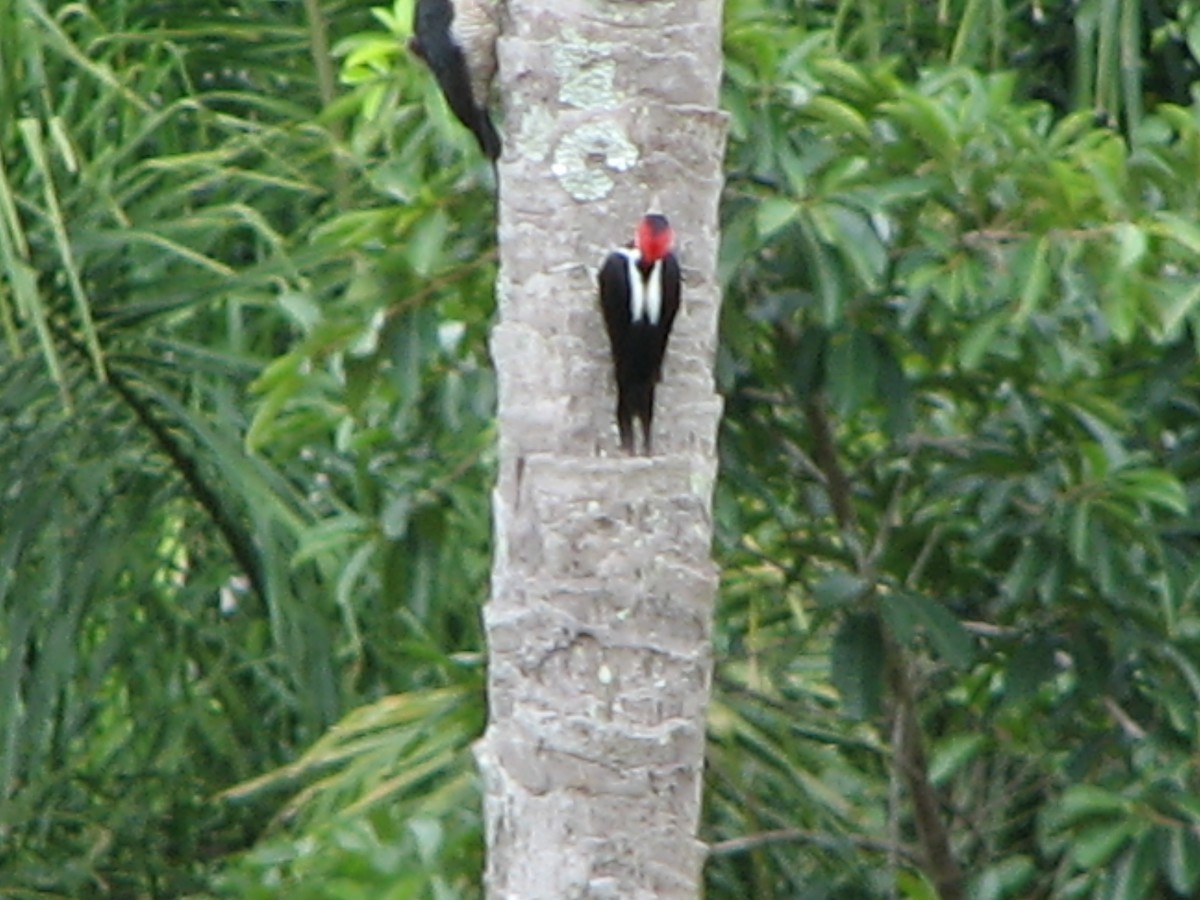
(639, 292)
(457, 40)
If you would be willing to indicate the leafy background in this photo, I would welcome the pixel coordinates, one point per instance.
(246, 450)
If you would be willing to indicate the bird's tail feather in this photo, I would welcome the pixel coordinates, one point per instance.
(635, 400)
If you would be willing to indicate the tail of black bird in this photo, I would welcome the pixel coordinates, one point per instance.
(487, 136)
(635, 400)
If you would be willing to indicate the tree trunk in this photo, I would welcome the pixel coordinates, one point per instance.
(602, 585)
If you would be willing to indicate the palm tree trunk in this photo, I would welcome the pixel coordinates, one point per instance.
(602, 585)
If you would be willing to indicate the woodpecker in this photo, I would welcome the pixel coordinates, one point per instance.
(639, 293)
(457, 40)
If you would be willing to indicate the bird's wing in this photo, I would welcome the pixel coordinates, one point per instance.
(614, 299)
(671, 290)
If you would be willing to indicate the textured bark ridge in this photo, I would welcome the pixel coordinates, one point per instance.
(603, 585)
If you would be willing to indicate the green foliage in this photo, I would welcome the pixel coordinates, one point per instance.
(391, 806)
(959, 354)
(244, 435)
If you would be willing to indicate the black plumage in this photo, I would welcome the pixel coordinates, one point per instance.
(457, 42)
(639, 294)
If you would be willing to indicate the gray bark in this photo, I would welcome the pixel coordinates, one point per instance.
(602, 586)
